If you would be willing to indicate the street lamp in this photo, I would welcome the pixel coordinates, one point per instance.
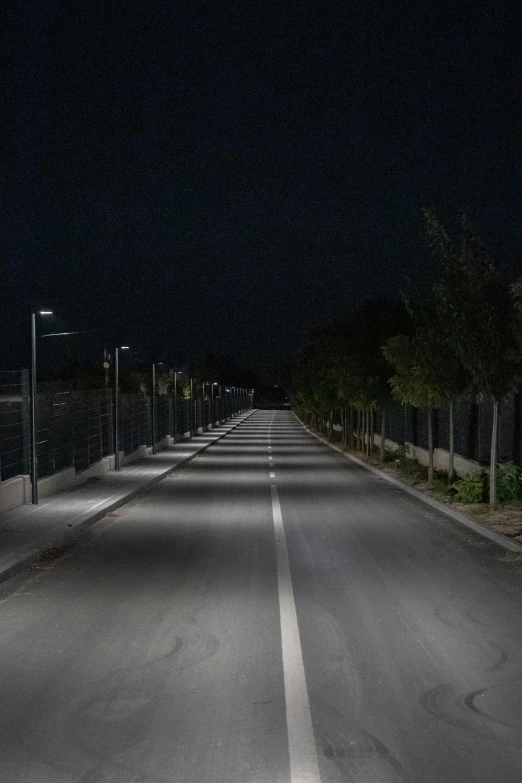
(34, 458)
(176, 373)
(117, 404)
(154, 365)
(192, 411)
(212, 420)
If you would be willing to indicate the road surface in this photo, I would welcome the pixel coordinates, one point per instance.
(271, 613)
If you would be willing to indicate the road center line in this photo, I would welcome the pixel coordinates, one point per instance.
(301, 742)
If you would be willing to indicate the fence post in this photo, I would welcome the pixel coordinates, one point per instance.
(171, 415)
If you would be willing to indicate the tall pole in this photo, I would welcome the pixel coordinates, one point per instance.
(116, 410)
(192, 417)
(34, 463)
(175, 403)
(153, 407)
(106, 367)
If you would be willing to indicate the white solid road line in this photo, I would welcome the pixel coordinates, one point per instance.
(301, 742)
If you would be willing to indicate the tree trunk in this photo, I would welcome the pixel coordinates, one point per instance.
(372, 428)
(330, 425)
(383, 436)
(363, 444)
(493, 460)
(430, 445)
(359, 428)
(451, 462)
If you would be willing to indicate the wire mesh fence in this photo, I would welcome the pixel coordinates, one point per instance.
(92, 427)
(14, 424)
(163, 416)
(135, 422)
(76, 428)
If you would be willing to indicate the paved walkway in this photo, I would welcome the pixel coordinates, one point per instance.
(27, 531)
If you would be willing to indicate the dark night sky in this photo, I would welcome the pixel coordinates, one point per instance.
(223, 176)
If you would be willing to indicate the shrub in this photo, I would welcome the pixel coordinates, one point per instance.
(471, 488)
(509, 482)
(408, 466)
(401, 455)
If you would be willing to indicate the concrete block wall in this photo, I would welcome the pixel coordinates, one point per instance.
(440, 457)
(15, 492)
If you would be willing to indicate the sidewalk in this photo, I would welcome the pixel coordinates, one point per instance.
(27, 531)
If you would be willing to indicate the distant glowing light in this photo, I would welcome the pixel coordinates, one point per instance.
(46, 312)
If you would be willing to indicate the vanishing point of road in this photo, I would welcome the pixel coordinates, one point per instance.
(270, 613)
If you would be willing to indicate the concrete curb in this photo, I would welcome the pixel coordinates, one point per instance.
(497, 538)
(68, 536)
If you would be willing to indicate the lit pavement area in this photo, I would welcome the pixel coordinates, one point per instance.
(27, 531)
(229, 627)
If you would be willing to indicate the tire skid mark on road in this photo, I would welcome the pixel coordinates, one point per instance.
(503, 658)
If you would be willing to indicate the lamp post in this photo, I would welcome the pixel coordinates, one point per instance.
(202, 405)
(176, 373)
(192, 412)
(117, 404)
(212, 420)
(34, 458)
(154, 365)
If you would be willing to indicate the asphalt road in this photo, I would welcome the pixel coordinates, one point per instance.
(249, 622)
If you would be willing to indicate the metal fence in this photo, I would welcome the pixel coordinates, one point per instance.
(76, 428)
(472, 423)
(14, 423)
(135, 422)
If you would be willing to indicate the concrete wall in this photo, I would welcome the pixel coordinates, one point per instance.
(440, 457)
(15, 492)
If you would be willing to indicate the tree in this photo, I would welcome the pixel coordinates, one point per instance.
(342, 367)
(436, 354)
(413, 383)
(476, 304)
